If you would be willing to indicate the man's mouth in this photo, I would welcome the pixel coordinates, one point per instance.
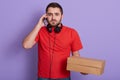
(53, 20)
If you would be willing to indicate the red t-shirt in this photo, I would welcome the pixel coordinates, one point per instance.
(53, 50)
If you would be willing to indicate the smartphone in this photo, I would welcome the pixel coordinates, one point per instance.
(45, 21)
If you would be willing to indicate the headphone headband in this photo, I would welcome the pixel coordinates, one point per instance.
(57, 28)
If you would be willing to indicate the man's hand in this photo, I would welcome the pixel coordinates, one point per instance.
(84, 73)
(41, 20)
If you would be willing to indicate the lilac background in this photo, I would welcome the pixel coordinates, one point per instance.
(97, 22)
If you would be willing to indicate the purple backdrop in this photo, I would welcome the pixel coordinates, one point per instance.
(97, 22)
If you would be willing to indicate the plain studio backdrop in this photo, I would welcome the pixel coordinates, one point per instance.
(96, 21)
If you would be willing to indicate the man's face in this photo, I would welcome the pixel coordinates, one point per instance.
(54, 16)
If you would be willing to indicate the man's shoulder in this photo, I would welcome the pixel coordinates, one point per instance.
(69, 28)
(43, 28)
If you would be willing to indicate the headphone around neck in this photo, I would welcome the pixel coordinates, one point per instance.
(57, 28)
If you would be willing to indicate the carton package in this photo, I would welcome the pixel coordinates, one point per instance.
(85, 65)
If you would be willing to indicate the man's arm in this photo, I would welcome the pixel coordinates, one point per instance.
(76, 53)
(29, 41)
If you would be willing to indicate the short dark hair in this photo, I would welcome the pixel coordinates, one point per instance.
(54, 4)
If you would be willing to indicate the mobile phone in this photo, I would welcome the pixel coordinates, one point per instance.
(45, 21)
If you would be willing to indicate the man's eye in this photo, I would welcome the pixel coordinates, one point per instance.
(49, 14)
(57, 14)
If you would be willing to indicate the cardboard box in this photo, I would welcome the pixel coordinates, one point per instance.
(85, 65)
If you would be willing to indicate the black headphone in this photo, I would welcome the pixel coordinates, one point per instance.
(57, 28)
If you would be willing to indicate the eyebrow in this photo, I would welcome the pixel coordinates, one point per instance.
(53, 13)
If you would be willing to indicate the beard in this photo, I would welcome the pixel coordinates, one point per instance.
(54, 23)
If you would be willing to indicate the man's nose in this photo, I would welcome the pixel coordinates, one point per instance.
(53, 17)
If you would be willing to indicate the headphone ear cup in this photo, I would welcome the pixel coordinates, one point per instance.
(57, 29)
(49, 28)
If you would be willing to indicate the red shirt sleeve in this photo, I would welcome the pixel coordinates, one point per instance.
(76, 42)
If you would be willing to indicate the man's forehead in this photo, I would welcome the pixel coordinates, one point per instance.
(53, 9)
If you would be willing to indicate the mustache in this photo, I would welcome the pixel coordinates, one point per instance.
(53, 20)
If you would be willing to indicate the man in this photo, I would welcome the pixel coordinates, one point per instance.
(55, 42)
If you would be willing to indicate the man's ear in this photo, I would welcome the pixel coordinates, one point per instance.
(62, 16)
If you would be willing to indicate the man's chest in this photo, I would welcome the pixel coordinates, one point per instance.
(62, 41)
